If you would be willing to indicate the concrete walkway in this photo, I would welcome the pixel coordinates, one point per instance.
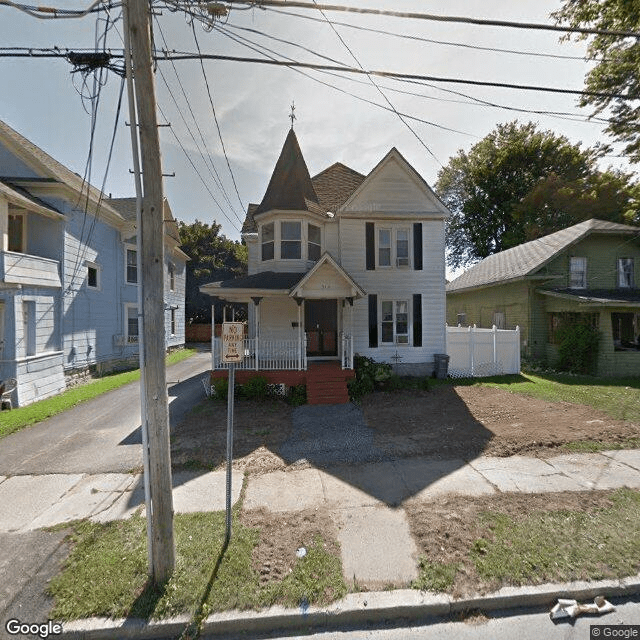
(364, 501)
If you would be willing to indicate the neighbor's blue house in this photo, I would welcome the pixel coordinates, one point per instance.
(68, 276)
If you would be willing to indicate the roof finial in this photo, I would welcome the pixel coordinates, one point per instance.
(292, 116)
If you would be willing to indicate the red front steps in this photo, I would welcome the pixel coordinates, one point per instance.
(327, 383)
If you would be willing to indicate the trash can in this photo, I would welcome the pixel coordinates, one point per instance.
(441, 365)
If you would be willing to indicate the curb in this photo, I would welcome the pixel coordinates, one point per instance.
(354, 610)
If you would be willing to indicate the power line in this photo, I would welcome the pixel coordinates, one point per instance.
(206, 186)
(55, 13)
(240, 40)
(437, 18)
(404, 122)
(215, 117)
(449, 43)
(210, 165)
(175, 55)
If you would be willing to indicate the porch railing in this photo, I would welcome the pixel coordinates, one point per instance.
(262, 354)
(347, 351)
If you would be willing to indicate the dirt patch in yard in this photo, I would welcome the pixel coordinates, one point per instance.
(466, 421)
(259, 430)
(282, 535)
(447, 421)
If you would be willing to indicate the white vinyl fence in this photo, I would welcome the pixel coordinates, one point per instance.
(477, 352)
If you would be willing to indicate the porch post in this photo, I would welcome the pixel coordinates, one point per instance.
(299, 302)
(4, 224)
(256, 325)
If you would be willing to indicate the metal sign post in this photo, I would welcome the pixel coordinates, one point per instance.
(232, 353)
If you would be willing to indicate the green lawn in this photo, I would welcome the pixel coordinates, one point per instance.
(16, 419)
(619, 398)
(106, 573)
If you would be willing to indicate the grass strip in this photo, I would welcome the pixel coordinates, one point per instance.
(529, 547)
(106, 572)
(16, 419)
(562, 545)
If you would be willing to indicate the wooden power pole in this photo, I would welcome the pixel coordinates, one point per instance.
(153, 339)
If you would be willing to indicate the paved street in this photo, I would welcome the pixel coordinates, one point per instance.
(103, 434)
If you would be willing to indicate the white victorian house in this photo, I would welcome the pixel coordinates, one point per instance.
(340, 264)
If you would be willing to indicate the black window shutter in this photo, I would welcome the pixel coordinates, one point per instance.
(370, 239)
(417, 246)
(373, 320)
(417, 320)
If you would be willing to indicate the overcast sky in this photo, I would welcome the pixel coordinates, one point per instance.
(39, 97)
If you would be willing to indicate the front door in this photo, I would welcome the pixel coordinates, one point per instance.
(321, 327)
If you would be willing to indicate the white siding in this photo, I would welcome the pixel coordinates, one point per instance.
(399, 284)
(276, 316)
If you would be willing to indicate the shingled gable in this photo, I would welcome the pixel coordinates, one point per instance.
(290, 187)
(526, 259)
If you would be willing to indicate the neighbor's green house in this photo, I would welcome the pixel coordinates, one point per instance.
(588, 272)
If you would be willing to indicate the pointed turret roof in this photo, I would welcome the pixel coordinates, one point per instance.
(290, 187)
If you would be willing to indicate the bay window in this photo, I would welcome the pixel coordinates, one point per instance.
(268, 239)
(290, 240)
(314, 242)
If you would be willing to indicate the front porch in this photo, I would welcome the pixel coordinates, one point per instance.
(326, 382)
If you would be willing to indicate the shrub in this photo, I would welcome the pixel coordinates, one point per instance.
(578, 348)
(369, 373)
(220, 388)
(256, 388)
(297, 395)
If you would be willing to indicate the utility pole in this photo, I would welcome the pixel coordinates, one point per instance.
(151, 232)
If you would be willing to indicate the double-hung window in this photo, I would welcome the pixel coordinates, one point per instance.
(402, 248)
(290, 240)
(132, 266)
(172, 276)
(93, 275)
(578, 273)
(268, 239)
(131, 323)
(394, 322)
(16, 232)
(384, 247)
(625, 273)
(314, 242)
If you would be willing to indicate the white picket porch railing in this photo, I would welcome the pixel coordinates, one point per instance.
(347, 351)
(264, 355)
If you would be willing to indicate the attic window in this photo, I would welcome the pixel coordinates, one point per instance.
(578, 273)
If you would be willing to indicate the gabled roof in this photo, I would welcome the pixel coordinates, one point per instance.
(394, 154)
(43, 163)
(327, 258)
(20, 197)
(127, 209)
(527, 258)
(290, 187)
(335, 184)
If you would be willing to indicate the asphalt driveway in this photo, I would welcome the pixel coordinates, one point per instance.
(103, 434)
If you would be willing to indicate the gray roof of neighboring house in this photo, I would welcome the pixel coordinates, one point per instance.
(527, 258)
(126, 207)
(58, 170)
(263, 280)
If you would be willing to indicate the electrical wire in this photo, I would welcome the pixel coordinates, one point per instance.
(54, 13)
(436, 18)
(210, 165)
(215, 117)
(449, 43)
(384, 95)
(206, 186)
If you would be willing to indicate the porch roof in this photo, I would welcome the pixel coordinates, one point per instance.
(265, 283)
(597, 297)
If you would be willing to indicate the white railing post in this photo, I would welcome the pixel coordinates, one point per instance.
(518, 348)
(495, 353)
(472, 349)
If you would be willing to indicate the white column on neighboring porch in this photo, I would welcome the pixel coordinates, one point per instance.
(4, 223)
(256, 326)
(299, 302)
